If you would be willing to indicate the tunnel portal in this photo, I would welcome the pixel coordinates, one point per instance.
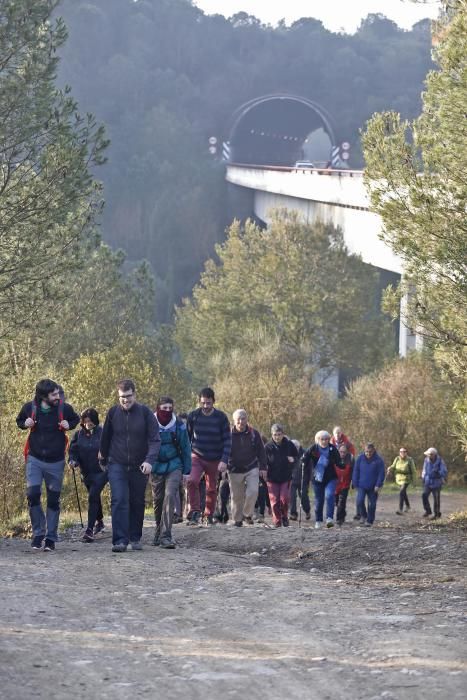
(273, 129)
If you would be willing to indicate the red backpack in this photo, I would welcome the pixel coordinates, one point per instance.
(33, 416)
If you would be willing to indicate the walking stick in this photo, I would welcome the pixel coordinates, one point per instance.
(77, 498)
(301, 492)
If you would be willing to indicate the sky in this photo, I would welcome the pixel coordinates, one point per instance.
(336, 15)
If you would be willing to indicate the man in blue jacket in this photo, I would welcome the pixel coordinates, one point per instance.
(129, 445)
(172, 465)
(368, 478)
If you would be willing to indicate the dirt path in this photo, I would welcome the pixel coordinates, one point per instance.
(241, 613)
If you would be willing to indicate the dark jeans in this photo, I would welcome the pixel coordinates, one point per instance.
(94, 484)
(297, 490)
(372, 496)
(436, 500)
(341, 502)
(263, 497)
(403, 498)
(322, 494)
(127, 487)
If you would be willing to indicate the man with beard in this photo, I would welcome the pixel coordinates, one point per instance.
(48, 418)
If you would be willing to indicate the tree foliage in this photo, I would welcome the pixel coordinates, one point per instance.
(292, 280)
(55, 272)
(406, 403)
(165, 77)
(416, 178)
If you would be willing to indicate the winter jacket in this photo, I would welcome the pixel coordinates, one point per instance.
(368, 473)
(130, 437)
(344, 440)
(84, 448)
(47, 442)
(311, 457)
(404, 470)
(247, 451)
(434, 473)
(344, 471)
(209, 435)
(278, 466)
(175, 450)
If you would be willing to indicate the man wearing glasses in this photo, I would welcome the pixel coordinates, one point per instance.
(129, 446)
(209, 433)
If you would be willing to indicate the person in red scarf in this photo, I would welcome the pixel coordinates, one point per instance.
(173, 464)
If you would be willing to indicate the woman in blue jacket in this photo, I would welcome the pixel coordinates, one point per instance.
(324, 458)
(434, 475)
(173, 464)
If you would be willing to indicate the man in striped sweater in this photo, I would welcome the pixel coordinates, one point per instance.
(209, 433)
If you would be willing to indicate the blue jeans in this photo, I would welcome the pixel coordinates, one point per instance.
(128, 488)
(324, 493)
(372, 497)
(52, 473)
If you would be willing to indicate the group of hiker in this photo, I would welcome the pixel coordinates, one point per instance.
(203, 456)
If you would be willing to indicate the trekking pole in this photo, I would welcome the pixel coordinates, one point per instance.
(77, 497)
(301, 492)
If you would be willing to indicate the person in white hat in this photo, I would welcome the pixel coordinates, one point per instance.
(434, 475)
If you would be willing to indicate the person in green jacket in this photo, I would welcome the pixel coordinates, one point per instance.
(172, 466)
(403, 469)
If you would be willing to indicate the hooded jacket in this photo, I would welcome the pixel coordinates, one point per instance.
(175, 450)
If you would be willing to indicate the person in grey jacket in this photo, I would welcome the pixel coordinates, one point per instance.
(129, 447)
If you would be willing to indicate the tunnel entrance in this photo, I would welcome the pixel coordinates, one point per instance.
(280, 130)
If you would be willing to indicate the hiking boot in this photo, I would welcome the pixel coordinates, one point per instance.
(285, 522)
(119, 548)
(178, 519)
(99, 528)
(308, 516)
(399, 512)
(329, 522)
(210, 520)
(318, 524)
(248, 520)
(436, 516)
(293, 516)
(135, 546)
(356, 517)
(193, 518)
(167, 543)
(49, 546)
(238, 523)
(367, 524)
(260, 519)
(407, 509)
(157, 538)
(36, 542)
(225, 518)
(426, 515)
(88, 536)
